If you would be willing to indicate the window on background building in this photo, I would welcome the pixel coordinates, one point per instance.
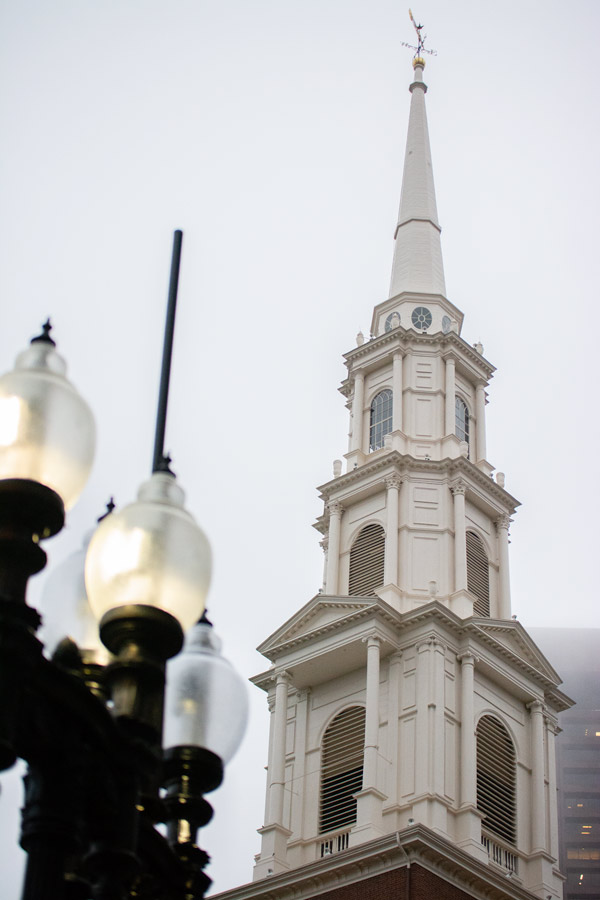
(478, 574)
(381, 419)
(341, 769)
(581, 805)
(461, 420)
(496, 778)
(586, 852)
(366, 562)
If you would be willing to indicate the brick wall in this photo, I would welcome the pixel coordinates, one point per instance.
(414, 883)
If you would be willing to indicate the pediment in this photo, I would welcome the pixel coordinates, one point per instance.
(322, 612)
(511, 637)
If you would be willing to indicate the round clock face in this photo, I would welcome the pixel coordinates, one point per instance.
(446, 323)
(421, 317)
(392, 321)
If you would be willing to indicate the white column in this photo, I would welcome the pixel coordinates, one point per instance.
(277, 780)
(372, 714)
(333, 550)
(480, 421)
(357, 411)
(394, 701)
(450, 396)
(552, 787)
(538, 804)
(502, 524)
(271, 707)
(460, 537)
(397, 392)
(390, 576)
(468, 744)
(324, 544)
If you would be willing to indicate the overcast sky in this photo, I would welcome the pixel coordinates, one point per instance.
(272, 132)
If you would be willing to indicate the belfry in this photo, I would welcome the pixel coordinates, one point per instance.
(412, 718)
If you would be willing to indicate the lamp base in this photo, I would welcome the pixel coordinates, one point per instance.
(141, 632)
(142, 638)
(189, 772)
(29, 513)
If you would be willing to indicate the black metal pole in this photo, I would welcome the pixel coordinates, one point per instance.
(160, 463)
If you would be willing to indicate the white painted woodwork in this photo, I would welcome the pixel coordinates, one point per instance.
(411, 652)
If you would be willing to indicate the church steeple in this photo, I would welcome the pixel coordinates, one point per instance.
(407, 704)
(418, 265)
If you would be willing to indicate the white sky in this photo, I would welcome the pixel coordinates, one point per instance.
(273, 134)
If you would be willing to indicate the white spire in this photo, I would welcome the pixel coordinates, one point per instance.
(418, 265)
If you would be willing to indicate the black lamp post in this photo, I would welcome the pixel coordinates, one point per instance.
(98, 780)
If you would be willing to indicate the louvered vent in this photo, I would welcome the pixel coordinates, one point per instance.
(366, 562)
(342, 769)
(496, 776)
(478, 574)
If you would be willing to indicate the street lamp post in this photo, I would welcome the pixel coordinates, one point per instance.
(98, 780)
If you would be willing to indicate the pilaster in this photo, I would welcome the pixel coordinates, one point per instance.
(449, 405)
(394, 706)
(469, 818)
(397, 388)
(480, 448)
(370, 799)
(390, 592)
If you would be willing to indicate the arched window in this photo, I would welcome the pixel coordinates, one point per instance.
(496, 778)
(381, 419)
(366, 562)
(478, 574)
(342, 769)
(461, 420)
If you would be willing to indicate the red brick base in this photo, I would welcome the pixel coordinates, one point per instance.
(405, 883)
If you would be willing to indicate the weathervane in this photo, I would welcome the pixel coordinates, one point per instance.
(421, 38)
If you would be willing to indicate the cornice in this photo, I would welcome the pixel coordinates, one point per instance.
(272, 650)
(312, 608)
(401, 337)
(401, 464)
(469, 636)
(485, 629)
(415, 845)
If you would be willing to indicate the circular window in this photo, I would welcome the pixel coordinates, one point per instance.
(392, 321)
(421, 317)
(446, 323)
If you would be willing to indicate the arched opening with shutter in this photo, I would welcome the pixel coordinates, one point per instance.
(366, 562)
(381, 419)
(341, 769)
(461, 420)
(478, 574)
(496, 778)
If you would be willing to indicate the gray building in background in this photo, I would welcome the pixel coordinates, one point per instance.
(575, 654)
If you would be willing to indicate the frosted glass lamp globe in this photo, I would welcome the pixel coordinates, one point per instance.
(47, 431)
(206, 702)
(150, 553)
(66, 610)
